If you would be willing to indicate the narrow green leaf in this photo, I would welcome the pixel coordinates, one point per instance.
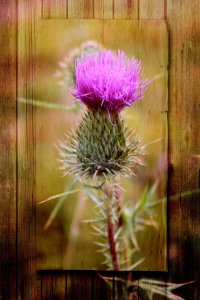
(59, 205)
(48, 105)
(93, 197)
(59, 195)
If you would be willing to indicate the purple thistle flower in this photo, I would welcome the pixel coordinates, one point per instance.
(108, 80)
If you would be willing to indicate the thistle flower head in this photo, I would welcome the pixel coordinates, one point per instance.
(66, 67)
(107, 80)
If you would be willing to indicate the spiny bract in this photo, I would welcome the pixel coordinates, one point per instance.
(101, 148)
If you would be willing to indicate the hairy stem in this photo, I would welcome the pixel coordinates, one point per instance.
(111, 241)
(118, 205)
(120, 221)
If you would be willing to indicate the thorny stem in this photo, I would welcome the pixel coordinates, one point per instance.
(120, 219)
(117, 198)
(111, 241)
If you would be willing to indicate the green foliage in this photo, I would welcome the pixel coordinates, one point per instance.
(147, 288)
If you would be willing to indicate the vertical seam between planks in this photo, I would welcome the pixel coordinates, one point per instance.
(66, 10)
(138, 1)
(92, 286)
(42, 8)
(168, 132)
(165, 10)
(41, 286)
(113, 290)
(16, 163)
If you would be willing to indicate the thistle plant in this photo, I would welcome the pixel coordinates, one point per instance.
(99, 152)
(102, 149)
(102, 146)
(145, 289)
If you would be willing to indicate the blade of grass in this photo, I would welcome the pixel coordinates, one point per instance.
(59, 195)
(175, 197)
(48, 105)
(58, 205)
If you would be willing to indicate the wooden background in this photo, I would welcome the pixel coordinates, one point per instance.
(18, 276)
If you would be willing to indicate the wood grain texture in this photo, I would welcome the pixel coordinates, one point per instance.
(184, 119)
(27, 280)
(126, 9)
(54, 286)
(80, 9)
(151, 9)
(154, 35)
(184, 23)
(101, 289)
(79, 285)
(8, 139)
(103, 9)
(54, 9)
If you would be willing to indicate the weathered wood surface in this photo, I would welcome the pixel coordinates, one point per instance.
(26, 278)
(184, 137)
(52, 9)
(183, 24)
(8, 160)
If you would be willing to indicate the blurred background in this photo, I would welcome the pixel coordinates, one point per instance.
(67, 243)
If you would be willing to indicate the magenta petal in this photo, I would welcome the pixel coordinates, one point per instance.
(107, 79)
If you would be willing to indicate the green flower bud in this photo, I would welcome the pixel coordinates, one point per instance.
(100, 147)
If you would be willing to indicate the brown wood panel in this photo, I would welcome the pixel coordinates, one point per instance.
(151, 9)
(54, 9)
(103, 9)
(27, 279)
(101, 289)
(80, 9)
(54, 286)
(184, 136)
(8, 230)
(183, 20)
(79, 285)
(126, 9)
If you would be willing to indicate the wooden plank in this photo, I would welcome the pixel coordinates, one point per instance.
(79, 285)
(101, 289)
(126, 9)
(184, 120)
(151, 9)
(54, 9)
(80, 9)
(154, 34)
(103, 9)
(53, 285)
(27, 279)
(8, 229)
